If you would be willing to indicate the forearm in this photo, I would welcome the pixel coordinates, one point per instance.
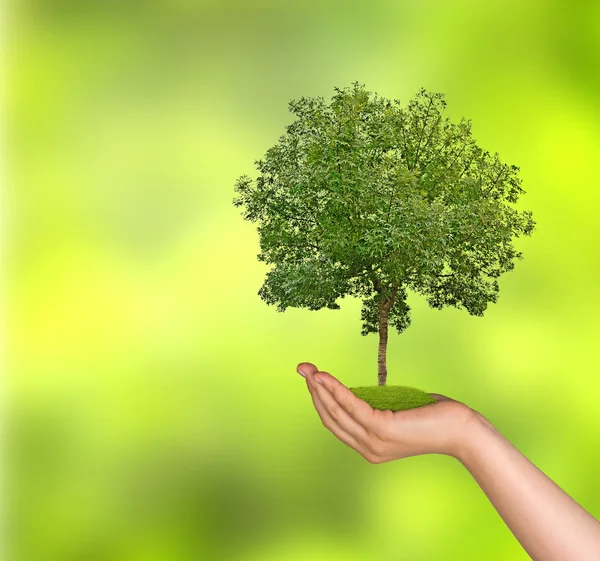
(546, 521)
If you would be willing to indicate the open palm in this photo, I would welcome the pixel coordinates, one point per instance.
(384, 435)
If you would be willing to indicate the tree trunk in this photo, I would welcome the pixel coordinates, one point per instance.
(384, 310)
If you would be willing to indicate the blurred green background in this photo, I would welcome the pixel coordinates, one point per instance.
(155, 412)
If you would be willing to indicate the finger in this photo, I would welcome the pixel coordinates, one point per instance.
(329, 423)
(337, 412)
(358, 409)
(360, 446)
(306, 368)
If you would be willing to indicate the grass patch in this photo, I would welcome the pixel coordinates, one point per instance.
(396, 398)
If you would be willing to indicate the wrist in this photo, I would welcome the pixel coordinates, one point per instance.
(470, 435)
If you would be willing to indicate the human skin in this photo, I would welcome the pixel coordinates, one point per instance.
(546, 521)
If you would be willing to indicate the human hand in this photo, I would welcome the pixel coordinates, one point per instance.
(548, 523)
(381, 436)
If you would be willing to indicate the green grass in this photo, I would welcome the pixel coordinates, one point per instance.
(396, 398)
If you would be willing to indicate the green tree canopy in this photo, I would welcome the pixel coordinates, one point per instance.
(365, 197)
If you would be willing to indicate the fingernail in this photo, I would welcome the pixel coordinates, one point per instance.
(318, 380)
(301, 373)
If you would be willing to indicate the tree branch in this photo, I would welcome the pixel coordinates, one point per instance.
(484, 271)
(404, 141)
(465, 169)
(444, 172)
(421, 133)
(389, 206)
(298, 217)
(489, 189)
(374, 279)
(429, 139)
(394, 293)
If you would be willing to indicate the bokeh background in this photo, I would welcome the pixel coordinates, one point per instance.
(154, 408)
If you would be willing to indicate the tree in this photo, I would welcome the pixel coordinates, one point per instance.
(367, 198)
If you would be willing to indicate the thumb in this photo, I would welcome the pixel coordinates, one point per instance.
(440, 397)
